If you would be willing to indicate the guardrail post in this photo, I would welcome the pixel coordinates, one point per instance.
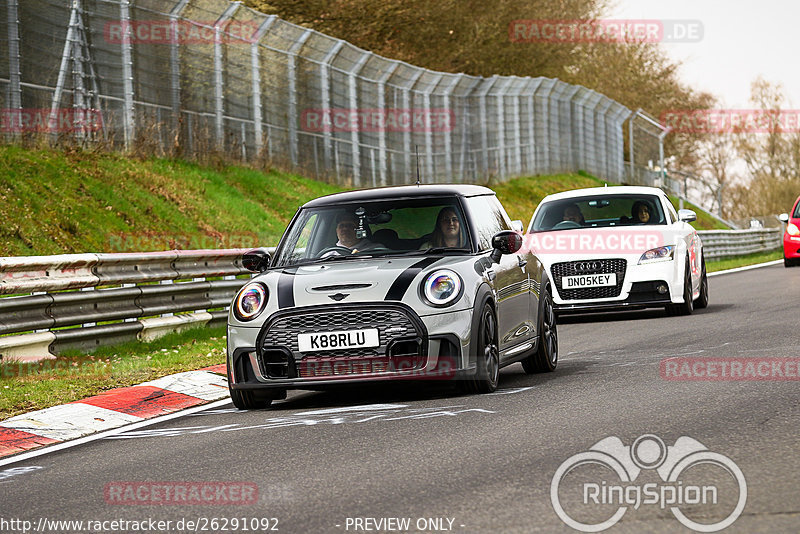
(14, 74)
(292, 111)
(255, 75)
(325, 89)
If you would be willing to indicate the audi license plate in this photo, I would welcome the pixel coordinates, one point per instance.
(343, 339)
(588, 280)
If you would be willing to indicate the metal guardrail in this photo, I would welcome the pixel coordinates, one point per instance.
(81, 301)
(718, 244)
(85, 300)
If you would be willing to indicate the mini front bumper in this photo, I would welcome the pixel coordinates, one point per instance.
(446, 346)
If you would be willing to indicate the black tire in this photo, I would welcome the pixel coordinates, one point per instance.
(247, 400)
(687, 306)
(545, 359)
(487, 372)
(702, 298)
(790, 263)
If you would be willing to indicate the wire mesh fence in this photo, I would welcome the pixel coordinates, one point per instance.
(193, 77)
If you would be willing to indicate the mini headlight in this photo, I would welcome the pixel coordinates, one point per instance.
(792, 229)
(658, 254)
(250, 301)
(441, 288)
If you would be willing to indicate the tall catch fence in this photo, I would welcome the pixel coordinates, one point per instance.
(187, 77)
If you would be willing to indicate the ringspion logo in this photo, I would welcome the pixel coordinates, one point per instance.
(591, 491)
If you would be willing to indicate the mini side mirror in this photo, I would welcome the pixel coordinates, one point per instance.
(505, 242)
(784, 217)
(256, 261)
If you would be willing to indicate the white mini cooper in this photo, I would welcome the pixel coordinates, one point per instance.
(411, 282)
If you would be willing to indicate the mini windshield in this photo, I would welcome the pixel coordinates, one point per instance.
(389, 227)
(599, 211)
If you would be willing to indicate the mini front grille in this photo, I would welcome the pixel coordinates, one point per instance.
(399, 334)
(616, 266)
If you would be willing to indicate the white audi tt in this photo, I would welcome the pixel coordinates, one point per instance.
(619, 247)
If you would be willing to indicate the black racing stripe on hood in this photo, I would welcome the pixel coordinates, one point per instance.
(286, 288)
(403, 281)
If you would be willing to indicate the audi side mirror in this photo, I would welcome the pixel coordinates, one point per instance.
(505, 242)
(687, 216)
(256, 260)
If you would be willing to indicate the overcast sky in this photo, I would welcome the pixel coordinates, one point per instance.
(741, 40)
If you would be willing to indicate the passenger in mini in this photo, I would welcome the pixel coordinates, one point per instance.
(573, 213)
(447, 232)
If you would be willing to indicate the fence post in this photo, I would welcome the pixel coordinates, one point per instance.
(174, 62)
(407, 109)
(14, 74)
(631, 149)
(219, 97)
(292, 111)
(501, 128)
(466, 140)
(255, 77)
(661, 137)
(127, 74)
(354, 137)
(517, 167)
(382, 159)
(533, 85)
(324, 74)
(483, 125)
(426, 104)
(448, 135)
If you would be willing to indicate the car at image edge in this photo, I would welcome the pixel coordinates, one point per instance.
(791, 236)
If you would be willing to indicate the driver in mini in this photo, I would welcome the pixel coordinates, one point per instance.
(346, 225)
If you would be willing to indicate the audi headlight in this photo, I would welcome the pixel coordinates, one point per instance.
(250, 301)
(792, 229)
(658, 254)
(442, 288)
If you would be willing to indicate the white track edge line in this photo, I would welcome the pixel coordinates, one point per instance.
(745, 268)
(47, 449)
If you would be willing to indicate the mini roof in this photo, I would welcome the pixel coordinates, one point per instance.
(402, 191)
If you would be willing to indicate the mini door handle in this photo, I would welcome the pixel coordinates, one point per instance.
(522, 263)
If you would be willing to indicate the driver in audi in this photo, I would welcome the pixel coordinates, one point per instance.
(573, 213)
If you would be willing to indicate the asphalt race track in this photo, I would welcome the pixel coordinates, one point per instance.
(348, 461)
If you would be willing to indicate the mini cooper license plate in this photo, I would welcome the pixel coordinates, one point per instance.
(343, 339)
(588, 280)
